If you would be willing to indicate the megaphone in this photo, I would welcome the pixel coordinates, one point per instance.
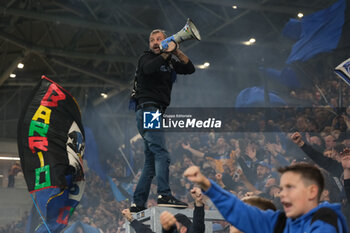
(189, 31)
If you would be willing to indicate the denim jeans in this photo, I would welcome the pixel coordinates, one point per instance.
(157, 161)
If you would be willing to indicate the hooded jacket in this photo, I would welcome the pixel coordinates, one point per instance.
(248, 218)
(155, 77)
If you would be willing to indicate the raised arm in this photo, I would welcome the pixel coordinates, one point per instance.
(193, 151)
(139, 227)
(181, 56)
(198, 225)
(331, 165)
(246, 218)
(194, 175)
(185, 65)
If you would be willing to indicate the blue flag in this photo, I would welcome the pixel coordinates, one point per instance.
(92, 155)
(287, 76)
(116, 192)
(254, 97)
(316, 33)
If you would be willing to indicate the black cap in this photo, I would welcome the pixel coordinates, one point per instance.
(181, 218)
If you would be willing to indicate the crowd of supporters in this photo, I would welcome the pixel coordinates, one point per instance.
(243, 160)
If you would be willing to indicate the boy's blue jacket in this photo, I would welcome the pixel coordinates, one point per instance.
(250, 219)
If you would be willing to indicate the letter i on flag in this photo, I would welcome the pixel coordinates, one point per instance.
(51, 144)
(343, 71)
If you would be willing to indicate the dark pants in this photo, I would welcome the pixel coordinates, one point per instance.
(157, 161)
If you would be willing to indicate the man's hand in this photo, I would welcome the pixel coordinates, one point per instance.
(126, 213)
(297, 139)
(167, 220)
(186, 146)
(172, 47)
(251, 152)
(177, 52)
(218, 177)
(194, 174)
(196, 194)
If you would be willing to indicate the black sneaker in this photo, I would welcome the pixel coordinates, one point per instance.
(136, 209)
(170, 201)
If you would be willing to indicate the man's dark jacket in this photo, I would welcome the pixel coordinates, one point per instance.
(155, 77)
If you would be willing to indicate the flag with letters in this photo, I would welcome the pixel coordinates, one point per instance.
(51, 146)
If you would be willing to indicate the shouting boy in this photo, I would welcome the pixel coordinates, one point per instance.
(301, 187)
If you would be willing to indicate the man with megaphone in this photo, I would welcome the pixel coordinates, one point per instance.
(156, 72)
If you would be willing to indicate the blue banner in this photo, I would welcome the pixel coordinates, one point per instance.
(316, 33)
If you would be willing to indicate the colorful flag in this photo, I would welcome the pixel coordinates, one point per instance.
(51, 146)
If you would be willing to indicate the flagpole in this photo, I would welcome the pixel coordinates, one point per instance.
(127, 162)
(322, 94)
(266, 93)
